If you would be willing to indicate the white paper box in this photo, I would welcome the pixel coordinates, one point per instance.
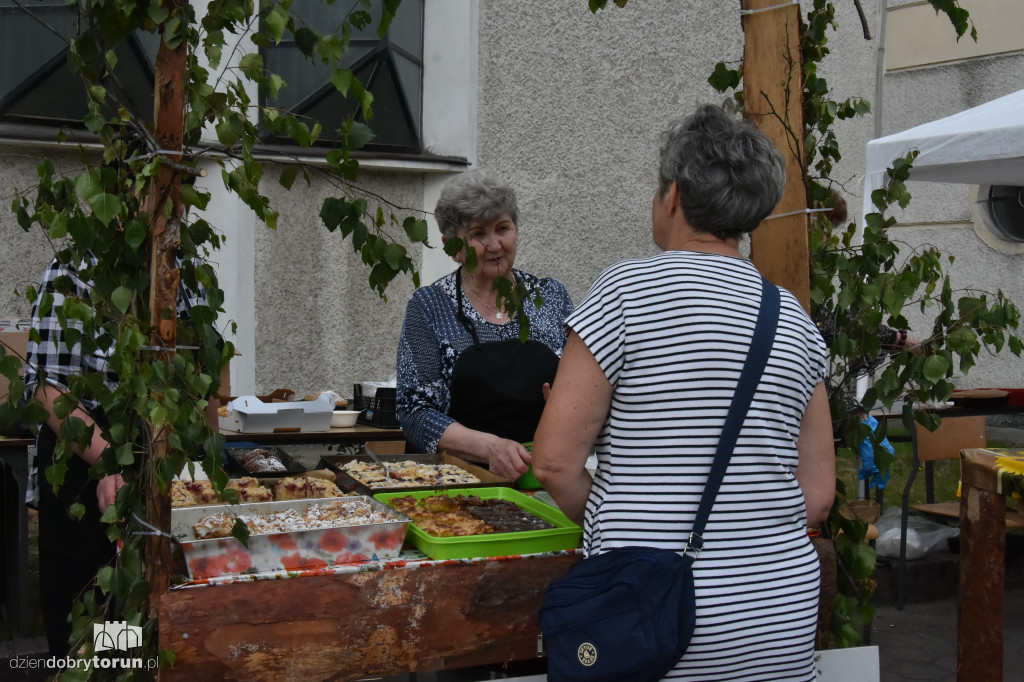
(249, 414)
(15, 324)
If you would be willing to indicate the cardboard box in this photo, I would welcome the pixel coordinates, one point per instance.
(249, 414)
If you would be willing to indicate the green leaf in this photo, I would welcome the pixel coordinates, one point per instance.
(251, 65)
(135, 233)
(453, 246)
(229, 130)
(276, 22)
(158, 12)
(175, 32)
(359, 135)
(98, 93)
(288, 176)
(87, 187)
(122, 298)
(305, 40)
(394, 255)
(105, 207)
(77, 511)
(190, 196)
(240, 532)
(416, 230)
(935, 367)
(103, 577)
(723, 78)
(341, 79)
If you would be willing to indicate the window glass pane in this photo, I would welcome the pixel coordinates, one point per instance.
(391, 70)
(407, 27)
(59, 98)
(25, 44)
(325, 18)
(1006, 206)
(411, 77)
(37, 85)
(301, 75)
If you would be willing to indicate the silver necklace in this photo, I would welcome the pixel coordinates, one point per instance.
(497, 313)
(481, 301)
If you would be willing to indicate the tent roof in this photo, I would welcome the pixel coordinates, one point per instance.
(982, 146)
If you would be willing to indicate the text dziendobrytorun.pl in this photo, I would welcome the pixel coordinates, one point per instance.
(96, 662)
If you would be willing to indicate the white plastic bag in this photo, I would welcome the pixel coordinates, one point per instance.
(923, 535)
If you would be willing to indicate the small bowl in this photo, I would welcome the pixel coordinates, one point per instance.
(344, 417)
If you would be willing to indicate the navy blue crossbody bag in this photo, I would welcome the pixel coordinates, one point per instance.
(629, 613)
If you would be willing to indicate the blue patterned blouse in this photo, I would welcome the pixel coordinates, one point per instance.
(433, 338)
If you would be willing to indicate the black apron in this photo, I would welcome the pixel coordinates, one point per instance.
(497, 387)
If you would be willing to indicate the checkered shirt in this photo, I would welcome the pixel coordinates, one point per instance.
(52, 360)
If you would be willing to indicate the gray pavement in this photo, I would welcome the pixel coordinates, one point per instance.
(918, 644)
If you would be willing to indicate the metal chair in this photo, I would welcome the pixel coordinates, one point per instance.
(953, 435)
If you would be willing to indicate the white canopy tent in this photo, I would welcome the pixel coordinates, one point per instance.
(980, 146)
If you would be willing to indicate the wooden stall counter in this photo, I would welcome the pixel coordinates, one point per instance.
(349, 622)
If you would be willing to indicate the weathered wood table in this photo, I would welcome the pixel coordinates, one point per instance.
(987, 476)
(350, 622)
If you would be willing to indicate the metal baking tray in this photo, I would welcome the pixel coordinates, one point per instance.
(294, 551)
(336, 463)
(564, 535)
(235, 466)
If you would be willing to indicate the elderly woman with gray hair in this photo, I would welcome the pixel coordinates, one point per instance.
(649, 370)
(467, 384)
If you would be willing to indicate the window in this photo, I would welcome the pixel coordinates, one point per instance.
(391, 68)
(36, 84)
(38, 88)
(1002, 210)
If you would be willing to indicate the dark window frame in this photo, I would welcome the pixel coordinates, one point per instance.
(1003, 214)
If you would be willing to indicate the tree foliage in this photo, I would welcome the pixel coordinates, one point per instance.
(97, 214)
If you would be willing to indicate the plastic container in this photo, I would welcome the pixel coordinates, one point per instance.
(528, 481)
(291, 551)
(564, 535)
(379, 410)
(343, 418)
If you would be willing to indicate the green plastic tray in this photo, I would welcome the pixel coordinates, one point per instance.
(564, 535)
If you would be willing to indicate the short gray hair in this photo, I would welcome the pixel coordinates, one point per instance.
(472, 197)
(730, 175)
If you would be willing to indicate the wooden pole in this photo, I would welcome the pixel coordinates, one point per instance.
(773, 94)
(979, 651)
(169, 118)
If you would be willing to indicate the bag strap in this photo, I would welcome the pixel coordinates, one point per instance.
(750, 377)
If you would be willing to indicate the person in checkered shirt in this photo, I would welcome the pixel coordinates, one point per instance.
(71, 551)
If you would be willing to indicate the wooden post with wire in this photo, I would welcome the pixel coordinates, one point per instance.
(773, 95)
(169, 117)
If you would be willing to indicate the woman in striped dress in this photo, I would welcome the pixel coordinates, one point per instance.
(648, 372)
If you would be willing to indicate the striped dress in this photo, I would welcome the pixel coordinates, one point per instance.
(671, 333)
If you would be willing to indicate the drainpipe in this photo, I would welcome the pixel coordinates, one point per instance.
(880, 68)
(863, 382)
